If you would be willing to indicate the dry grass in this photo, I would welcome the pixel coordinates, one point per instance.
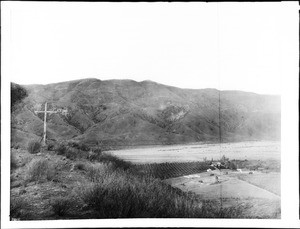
(61, 206)
(19, 208)
(109, 188)
(26, 159)
(119, 194)
(40, 169)
(80, 166)
(34, 147)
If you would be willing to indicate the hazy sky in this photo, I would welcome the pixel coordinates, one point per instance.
(188, 45)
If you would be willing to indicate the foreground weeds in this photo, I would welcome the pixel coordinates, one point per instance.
(39, 169)
(120, 194)
(62, 206)
(104, 186)
(19, 208)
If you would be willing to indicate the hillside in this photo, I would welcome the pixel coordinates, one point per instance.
(126, 112)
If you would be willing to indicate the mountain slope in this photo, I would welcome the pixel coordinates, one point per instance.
(126, 112)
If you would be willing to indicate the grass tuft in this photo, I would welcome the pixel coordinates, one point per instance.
(80, 166)
(40, 170)
(19, 208)
(34, 147)
(61, 206)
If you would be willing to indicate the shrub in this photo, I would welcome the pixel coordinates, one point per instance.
(93, 156)
(39, 170)
(84, 147)
(98, 172)
(50, 147)
(18, 93)
(80, 166)
(61, 149)
(61, 206)
(224, 159)
(13, 161)
(34, 147)
(98, 150)
(71, 152)
(80, 146)
(231, 165)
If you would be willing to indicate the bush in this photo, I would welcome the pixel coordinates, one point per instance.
(224, 159)
(80, 146)
(71, 152)
(61, 149)
(98, 150)
(50, 147)
(40, 170)
(13, 161)
(80, 166)
(98, 172)
(34, 147)
(61, 206)
(18, 93)
(231, 165)
(93, 156)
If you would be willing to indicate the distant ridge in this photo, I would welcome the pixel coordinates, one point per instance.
(127, 112)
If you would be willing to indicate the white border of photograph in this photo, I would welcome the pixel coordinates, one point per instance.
(289, 65)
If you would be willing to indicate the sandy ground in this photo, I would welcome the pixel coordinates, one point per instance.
(256, 150)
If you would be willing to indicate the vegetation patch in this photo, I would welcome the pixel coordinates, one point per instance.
(120, 194)
(101, 185)
(34, 147)
(13, 161)
(80, 166)
(19, 208)
(40, 169)
(61, 206)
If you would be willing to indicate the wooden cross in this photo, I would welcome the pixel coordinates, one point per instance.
(45, 122)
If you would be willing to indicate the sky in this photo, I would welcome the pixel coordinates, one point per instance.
(187, 45)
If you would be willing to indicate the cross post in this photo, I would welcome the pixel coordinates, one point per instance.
(45, 120)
